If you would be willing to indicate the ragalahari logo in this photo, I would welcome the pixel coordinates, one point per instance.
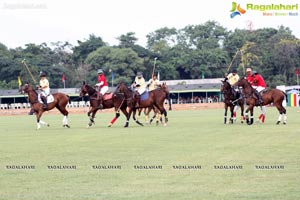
(236, 10)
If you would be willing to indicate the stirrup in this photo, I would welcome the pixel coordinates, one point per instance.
(100, 106)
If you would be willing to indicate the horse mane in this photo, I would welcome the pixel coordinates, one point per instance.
(247, 82)
(32, 89)
(123, 83)
(90, 89)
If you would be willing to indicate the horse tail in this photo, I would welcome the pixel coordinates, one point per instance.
(286, 96)
(69, 99)
(169, 101)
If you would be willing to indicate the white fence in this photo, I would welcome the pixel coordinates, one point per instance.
(73, 104)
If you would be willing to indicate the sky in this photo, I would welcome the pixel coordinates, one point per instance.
(38, 21)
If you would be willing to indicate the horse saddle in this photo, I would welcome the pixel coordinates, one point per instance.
(50, 98)
(263, 91)
(145, 95)
(107, 96)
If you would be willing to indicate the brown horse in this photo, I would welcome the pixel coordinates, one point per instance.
(156, 97)
(156, 111)
(231, 100)
(60, 101)
(274, 96)
(110, 100)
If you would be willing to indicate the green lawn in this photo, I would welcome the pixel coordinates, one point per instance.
(192, 138)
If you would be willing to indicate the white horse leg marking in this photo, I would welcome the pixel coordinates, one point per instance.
(279, 118)
(264, 110)
(38, 125)
(44, 123)
(65, 120)
(284, 118)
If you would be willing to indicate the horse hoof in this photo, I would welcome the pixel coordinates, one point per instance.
(278, 122)
(284, 123)
(48, 125)
(66, 125)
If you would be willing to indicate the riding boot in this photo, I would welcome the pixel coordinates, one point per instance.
(100, 97)
(44, 100)
(260, 100)
(137, 99)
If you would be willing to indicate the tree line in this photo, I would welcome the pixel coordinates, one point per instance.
(207, 50)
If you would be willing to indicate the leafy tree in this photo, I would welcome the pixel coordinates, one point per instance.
(84, 48)
(8, 70)
(128, 40)
(124, 63)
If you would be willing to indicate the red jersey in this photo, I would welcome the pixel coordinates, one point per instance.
(101, 78)
(259, 81)
(250, 79)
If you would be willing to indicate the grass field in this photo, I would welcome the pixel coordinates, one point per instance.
(192, 138)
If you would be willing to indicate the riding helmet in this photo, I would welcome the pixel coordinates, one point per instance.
(100, 71)
(42, 74)
(139, 74)
(248, 69)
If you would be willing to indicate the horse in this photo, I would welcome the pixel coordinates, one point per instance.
(156, 111)
(231, 101)
(60, 102)
(155, 97)
(110, 100)
(274, 96)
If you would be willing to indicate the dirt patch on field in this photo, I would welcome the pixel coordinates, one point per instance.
(194, 106)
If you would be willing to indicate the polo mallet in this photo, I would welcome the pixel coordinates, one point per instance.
(229, 66)
(27, 68)
(154, 66)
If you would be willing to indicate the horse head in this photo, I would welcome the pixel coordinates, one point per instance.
(122, 88)
(26, 88)
(165, 88)
(86, 89)
(83, 89)
(225, 87)
(244, 83)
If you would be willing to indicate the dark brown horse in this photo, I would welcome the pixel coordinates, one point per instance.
(60, 102)
(231, 100)
(274, 96)
(156, 98)
(110, 100)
